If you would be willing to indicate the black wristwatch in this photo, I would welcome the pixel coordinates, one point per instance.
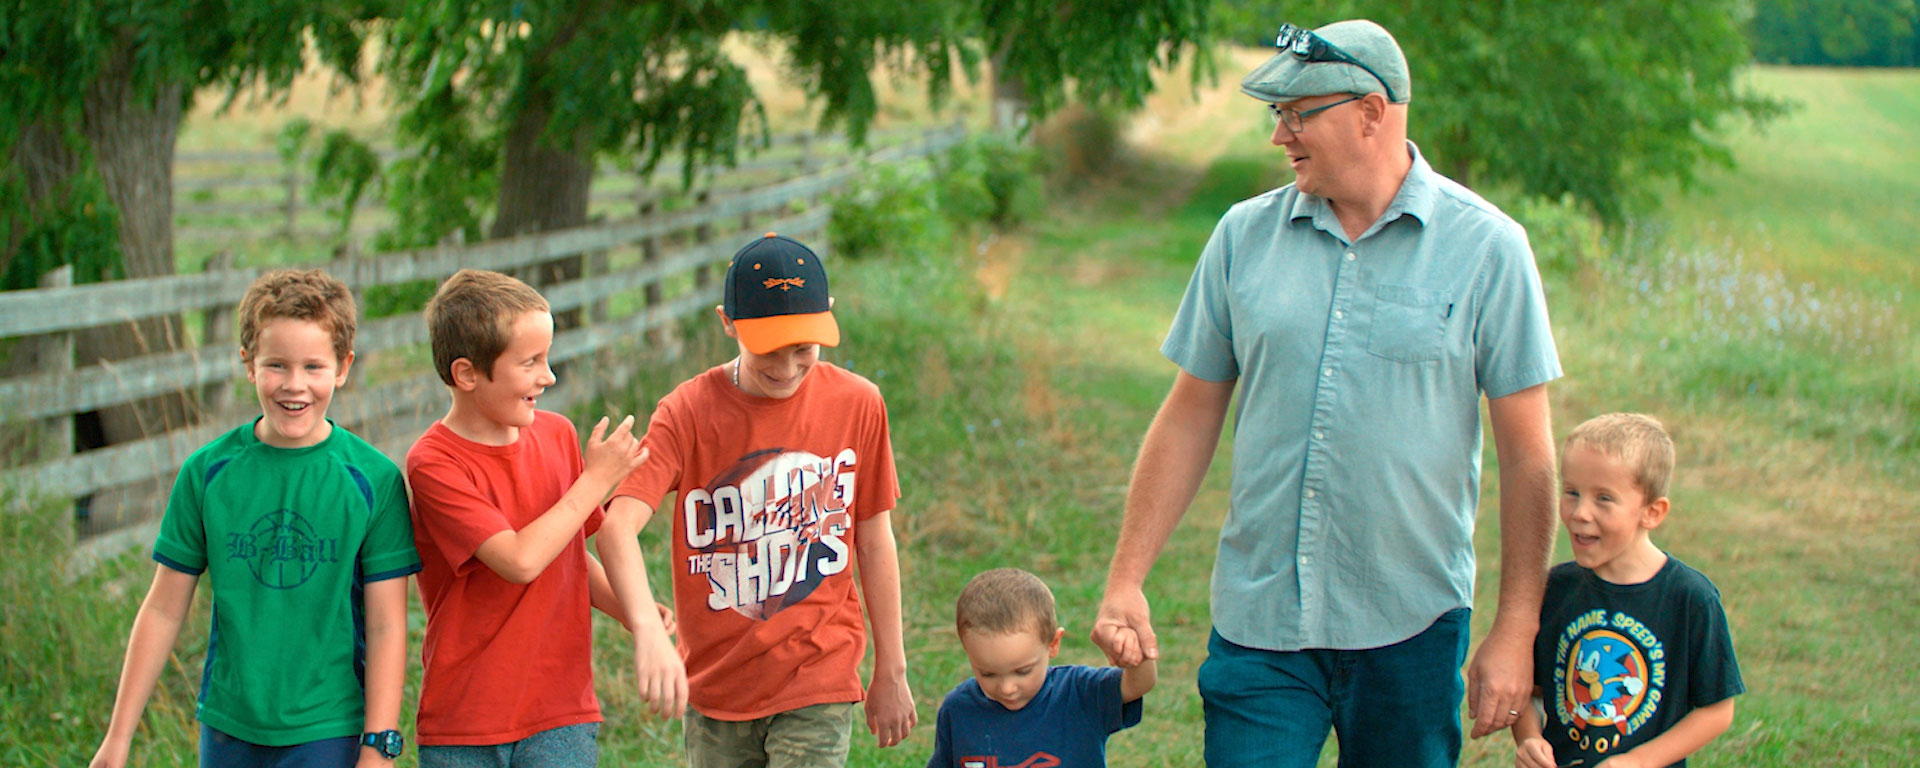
(389, 743)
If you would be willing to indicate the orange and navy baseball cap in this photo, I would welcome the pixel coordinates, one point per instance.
(776, 295)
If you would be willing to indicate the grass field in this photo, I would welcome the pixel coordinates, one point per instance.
(1767, 317)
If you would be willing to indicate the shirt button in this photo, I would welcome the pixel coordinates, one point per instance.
(1339, 315)
(1328, 372)
(1349, 255)
(1319, 435)
(1309, 493)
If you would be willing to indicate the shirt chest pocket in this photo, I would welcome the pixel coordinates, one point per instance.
(1409, 323)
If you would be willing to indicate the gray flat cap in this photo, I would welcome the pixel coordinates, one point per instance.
(1287, 76)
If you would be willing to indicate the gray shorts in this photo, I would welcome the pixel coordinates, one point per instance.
(809, 737)
(569, 746)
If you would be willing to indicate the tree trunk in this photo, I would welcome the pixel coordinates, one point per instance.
(46, 161)
(543, 187)
(132, 131)
(1009, 97)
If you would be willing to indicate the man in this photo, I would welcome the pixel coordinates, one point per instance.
(1366, 306)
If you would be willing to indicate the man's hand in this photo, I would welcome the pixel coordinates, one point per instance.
(890, 711)
(1124, 630)
(610, 458)
(1499, 681)
(661, 674)
(1534, 753)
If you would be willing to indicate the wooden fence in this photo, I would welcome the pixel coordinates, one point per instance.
(643, 272)
(226, 196)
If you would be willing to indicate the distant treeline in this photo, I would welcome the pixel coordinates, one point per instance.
(1847, 33)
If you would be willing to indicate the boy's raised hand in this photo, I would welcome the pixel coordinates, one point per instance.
(611, 457)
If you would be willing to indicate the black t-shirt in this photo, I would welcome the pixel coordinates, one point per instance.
(1618, 664)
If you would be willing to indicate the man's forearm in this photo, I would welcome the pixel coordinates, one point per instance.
(1173, 461)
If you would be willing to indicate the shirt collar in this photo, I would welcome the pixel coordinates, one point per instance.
(1415, 198)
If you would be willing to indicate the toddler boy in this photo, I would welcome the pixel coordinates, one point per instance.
(1016, 709)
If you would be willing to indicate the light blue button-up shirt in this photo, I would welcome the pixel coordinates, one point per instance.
(1356, 453)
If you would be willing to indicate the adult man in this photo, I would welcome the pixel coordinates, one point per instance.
(1366, 306)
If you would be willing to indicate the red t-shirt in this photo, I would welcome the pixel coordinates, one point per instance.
(503, 660)
(763, 534)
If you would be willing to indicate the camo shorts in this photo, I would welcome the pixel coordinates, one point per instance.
(809, 737)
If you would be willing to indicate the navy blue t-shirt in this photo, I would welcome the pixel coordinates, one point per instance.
(1618, 664)
(1065, 725)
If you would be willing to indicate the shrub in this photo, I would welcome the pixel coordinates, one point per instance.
(892, 208)
(1564, 235)
(990, 178)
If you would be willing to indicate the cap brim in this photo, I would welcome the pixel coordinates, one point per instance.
(762, 335)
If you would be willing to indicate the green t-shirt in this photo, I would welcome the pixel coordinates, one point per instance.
(287, 538)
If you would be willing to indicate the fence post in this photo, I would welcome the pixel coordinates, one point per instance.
(217, 338)
(56, 357)
(292, 212)
(703, 234)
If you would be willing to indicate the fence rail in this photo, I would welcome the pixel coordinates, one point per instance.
(393, 410)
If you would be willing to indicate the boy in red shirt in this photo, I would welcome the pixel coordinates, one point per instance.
(503, 502)
(763, 453)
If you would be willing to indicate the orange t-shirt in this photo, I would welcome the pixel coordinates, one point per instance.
(503, 661)
(763, 534)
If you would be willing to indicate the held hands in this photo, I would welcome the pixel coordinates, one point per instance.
(610, 458)
(1534, 752)
(1499, 681)
(1124, 630)
(890, 711)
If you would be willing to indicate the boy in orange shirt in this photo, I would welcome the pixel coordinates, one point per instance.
(503, 503)
(763, 452)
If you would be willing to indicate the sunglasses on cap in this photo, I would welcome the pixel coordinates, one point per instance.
(1314, 49)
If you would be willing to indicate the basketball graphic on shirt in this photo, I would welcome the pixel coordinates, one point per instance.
(1606, 680)
(770, 529)
(282, 549)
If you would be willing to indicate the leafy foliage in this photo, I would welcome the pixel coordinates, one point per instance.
(989, 178)
(1583, 99)
(892, 209)
(53, 56)
(343, 171)
(1105, 50)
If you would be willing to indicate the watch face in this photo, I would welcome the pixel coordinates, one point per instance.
(390, 743)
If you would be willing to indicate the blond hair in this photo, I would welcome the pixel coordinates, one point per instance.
(471, 316)
(299, 294)
(1635, 439)
(1005, 600)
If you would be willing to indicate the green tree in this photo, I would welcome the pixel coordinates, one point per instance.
(1588, 100)
(517, 97)
(91, 97)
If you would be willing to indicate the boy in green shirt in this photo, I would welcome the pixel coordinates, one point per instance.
(301, 528)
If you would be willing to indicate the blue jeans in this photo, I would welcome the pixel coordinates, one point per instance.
(568, 746)
(219, 750)
(1393, 706)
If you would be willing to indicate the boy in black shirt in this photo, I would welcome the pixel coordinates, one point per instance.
(1633, 660)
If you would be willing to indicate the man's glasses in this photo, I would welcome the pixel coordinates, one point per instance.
(1296, 120)
(1314, 49)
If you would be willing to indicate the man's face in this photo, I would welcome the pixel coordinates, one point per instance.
(1326, 148)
